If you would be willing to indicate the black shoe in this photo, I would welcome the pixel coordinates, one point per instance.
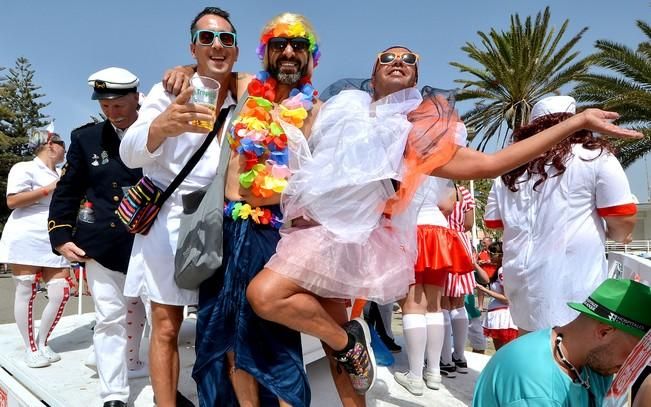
(460, 364)
(115, 403)
(448, 370)
(181, 400)
(391, 344)
(358, 361)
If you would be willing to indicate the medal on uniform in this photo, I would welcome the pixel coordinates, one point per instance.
(95, 161)
(104, 157)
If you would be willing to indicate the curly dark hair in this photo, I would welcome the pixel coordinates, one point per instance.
(557, 156)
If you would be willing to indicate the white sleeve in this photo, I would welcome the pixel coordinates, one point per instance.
(492, 214)
(133, 147)
(19, 179)
(613, 194)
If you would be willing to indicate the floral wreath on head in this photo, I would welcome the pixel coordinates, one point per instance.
(257, 134)
(292, 30)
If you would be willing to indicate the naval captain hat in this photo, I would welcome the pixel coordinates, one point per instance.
(112, 83)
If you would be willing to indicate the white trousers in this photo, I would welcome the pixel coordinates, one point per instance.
(110, 338)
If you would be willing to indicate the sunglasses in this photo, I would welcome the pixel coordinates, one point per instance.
(59, 142)
(280, 43)
(207, 38)
(408, 58)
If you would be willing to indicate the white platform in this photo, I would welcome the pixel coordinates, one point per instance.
(69, 383)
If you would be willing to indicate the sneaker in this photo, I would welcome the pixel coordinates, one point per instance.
(460, 364)
(359, 361)
(50, 355)
(448, 370)
(141, 370)
(413, 384)
(35, 359)
(391, 345)
(432, 380)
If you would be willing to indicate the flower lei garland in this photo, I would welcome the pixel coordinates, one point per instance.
(257, 135)
(262, 216)
(296, 29)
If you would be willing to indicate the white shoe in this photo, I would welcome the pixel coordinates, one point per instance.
(138, 372)
(90, 361)
(414, 385)
(50, 355)
(432, 380)
(35, 359)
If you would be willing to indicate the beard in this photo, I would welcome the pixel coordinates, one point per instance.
(288, 78)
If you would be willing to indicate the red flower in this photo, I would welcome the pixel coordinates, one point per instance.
(256, 88)
(266, 37)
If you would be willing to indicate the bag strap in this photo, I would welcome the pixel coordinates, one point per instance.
(225, 155)
(189, 166)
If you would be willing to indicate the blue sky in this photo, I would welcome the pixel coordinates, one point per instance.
(66, 41)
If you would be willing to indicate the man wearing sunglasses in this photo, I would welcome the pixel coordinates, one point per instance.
(161, 142)
(94, 171)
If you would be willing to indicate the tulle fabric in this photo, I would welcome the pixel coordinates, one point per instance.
(380, 269)
(341, 182)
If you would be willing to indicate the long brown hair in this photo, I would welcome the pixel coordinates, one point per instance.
(557, 156)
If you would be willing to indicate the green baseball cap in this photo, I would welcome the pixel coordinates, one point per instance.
(623, 304)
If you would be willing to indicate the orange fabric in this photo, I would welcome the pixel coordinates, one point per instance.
(494, 223)
(489, 268)
(441, 250)
(430, 145)
(358, 308)
(618, 210)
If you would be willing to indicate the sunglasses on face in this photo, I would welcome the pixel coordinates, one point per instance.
(207, 38)
(280, 43)
(59, 142)
(408, 58)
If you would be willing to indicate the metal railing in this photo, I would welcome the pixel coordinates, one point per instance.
(634, 246)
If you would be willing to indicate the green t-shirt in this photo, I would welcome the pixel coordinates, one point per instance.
(524, 374)
(471, 309)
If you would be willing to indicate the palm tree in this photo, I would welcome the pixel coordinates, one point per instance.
(516, 68)
(624, 88)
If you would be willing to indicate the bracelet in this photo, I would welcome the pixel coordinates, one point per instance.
(45, 192)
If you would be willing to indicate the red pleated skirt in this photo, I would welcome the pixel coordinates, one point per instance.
(440, 251)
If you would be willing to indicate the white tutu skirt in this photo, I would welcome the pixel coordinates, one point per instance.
(499, 318)
(379, 270)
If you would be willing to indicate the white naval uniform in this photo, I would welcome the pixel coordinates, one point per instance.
(554, 237)
(25, 239)
(151, 266)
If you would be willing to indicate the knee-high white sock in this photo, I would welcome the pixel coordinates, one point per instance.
(135, 325)
(459, 322)
(23, 309)
(414, 329)
(58, 293)
(446, 351)
(435, 332)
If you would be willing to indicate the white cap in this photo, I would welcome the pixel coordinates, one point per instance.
(553, 104)
(111, 83)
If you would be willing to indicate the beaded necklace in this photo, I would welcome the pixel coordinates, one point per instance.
(585, 383)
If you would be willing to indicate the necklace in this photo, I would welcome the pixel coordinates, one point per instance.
(557, 345)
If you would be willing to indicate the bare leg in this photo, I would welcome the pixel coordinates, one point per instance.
(278, 299)
(245, 386)
(347, 394)
(164, 352)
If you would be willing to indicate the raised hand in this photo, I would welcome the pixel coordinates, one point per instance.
(179, 116)
(600, 121)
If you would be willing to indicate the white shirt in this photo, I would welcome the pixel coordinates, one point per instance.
(25, 239)
(151, 267)
(554, 237)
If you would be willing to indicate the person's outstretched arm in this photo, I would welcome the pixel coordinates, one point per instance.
(471, 164)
